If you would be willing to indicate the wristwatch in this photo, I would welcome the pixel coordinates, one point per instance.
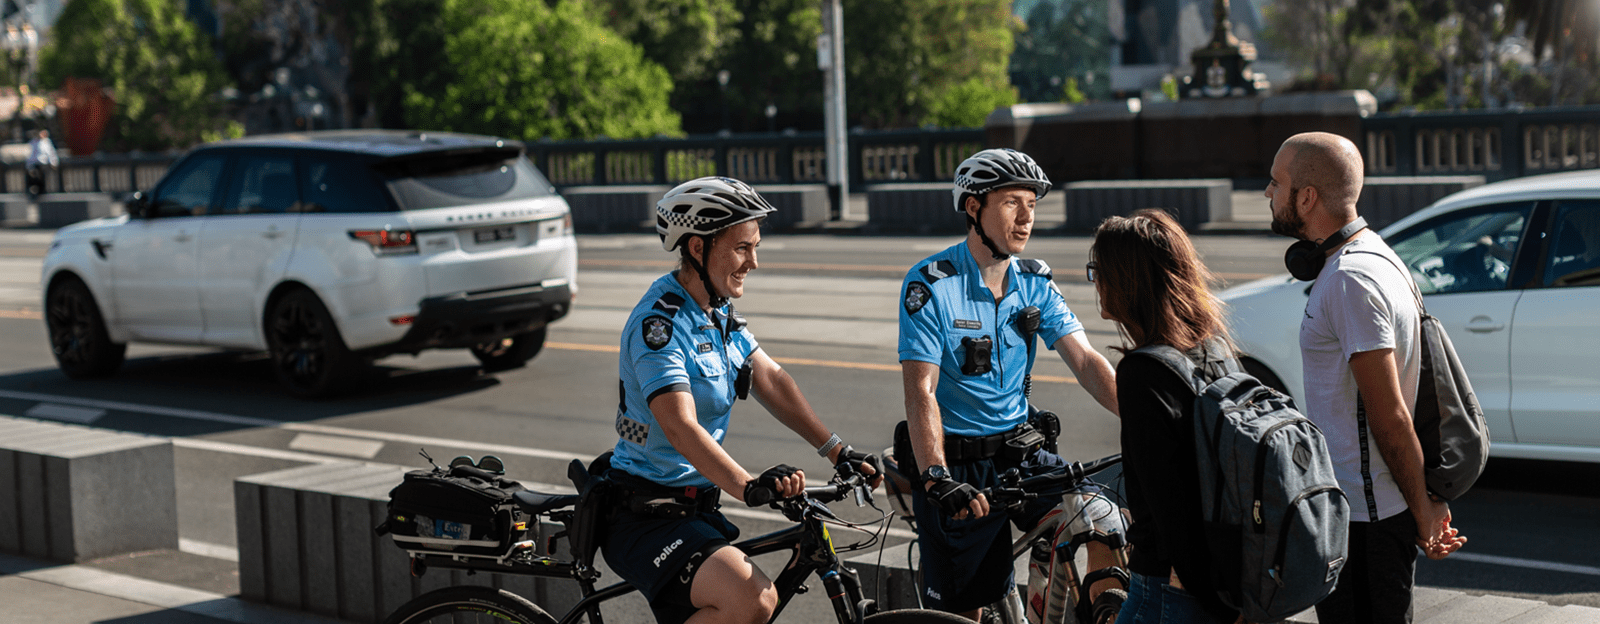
(936, 473)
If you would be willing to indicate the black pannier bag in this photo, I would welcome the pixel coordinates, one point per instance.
(461, 511)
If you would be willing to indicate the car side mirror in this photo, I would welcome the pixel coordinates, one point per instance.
(138, 205)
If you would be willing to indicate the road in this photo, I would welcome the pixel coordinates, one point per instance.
(824, 306)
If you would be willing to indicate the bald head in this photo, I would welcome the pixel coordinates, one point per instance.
(1331, 164)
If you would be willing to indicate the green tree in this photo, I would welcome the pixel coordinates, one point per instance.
(161, 71)
(966, 105)
(683, 36)
(527, 69)
(771, 58)
(1063, 40)
(902, 56)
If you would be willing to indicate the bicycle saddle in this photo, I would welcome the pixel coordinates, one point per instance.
(539, 502)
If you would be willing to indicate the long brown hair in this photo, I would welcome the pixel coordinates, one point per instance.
(1152, 283)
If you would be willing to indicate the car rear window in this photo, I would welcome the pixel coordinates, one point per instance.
(464, 180)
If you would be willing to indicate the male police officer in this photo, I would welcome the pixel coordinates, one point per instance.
(968, 318)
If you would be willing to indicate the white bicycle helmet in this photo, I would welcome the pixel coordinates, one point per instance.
(704, 206)
(998, 168)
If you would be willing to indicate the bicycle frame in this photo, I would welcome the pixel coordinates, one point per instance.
(808, 540)
(1056, 589)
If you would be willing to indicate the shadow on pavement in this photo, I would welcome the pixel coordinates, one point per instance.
(232, 384)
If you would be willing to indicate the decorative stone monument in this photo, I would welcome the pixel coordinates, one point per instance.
(1222, 67)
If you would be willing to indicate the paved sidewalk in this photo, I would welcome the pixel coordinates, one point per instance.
(38, 592)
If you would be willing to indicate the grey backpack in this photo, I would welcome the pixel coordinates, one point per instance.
(1274, 517)
(1448, 419)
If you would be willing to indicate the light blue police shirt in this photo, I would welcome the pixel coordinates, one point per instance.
(943, 300)
(670, 345)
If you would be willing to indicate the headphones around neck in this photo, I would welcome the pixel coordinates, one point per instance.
(1305, 258)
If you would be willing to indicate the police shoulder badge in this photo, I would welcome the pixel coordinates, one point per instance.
(917, 295)
(657, 332)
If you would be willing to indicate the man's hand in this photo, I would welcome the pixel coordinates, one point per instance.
(777, 482)
(1434, 534)
(864, 464)
(958, 499)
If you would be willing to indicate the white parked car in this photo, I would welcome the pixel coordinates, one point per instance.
(326, 249)
(1512, 269)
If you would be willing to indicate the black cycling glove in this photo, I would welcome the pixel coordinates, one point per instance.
(764, 489)
(851, 461)
(952, 496)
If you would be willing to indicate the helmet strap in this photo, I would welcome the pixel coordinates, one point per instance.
(714, 299)
(977, 224)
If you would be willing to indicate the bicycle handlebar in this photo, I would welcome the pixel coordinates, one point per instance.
(1014, 489)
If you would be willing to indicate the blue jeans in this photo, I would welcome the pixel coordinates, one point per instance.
(1152, 601)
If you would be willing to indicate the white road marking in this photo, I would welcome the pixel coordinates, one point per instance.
(336, 445)
(52, 411)
(253, 451)
(1518, 562)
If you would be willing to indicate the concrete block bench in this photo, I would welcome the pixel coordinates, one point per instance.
(70, 493)
(610, 209)
(17, 210)
(1192, 202)
(60, 209)
(797, 204)
(914, 208)
(306, 542)
(1385, 200)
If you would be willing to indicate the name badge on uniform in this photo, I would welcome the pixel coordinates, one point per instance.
(966, 324)
(704, 347)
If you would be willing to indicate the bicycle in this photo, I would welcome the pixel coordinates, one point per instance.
(1056, 587)
(809, 541)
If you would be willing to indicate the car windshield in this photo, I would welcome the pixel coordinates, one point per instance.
(464, 180)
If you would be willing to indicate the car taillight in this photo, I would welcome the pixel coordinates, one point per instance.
(387, 241)
(566, 224)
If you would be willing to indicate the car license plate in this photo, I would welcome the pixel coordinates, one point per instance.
(494, 234)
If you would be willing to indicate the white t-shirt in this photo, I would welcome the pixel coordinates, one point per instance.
(1360, 302)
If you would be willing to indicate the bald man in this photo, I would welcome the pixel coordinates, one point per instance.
(1361, 335)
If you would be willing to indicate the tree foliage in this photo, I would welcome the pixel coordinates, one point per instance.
(527, 69)
(966, 105)
(159, 67)
(901, 56)
(683, 36)
(1064, 41)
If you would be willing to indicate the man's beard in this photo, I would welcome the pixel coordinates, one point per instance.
(1292, 225)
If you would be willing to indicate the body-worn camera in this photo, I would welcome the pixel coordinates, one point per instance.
(979, 352)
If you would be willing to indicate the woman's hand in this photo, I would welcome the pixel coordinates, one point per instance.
(775, 483)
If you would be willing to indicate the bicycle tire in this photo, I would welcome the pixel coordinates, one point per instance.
(1108, 605)
(469, 604)
(915, 616)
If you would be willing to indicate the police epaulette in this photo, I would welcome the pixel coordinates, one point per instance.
(669, 302)
(938, 269)
(1038, 267)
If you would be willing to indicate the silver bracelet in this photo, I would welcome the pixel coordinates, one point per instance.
(828, 446)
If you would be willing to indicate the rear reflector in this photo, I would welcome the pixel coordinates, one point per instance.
(402, 320)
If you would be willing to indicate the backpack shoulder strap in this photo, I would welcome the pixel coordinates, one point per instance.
(1178, 362)
(1417, 292)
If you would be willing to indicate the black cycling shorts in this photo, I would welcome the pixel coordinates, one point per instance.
(654, 554)
(967, 564)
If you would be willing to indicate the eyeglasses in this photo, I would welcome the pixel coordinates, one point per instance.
(1090, 268)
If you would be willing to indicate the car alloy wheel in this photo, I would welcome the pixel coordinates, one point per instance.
(78, 337)
(308, 354)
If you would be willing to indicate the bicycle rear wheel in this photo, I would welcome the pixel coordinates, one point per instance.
(469, 605)
(915, 616)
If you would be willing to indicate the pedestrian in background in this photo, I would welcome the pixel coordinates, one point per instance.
(1359, 346)
(41, 161)
(1150, 281)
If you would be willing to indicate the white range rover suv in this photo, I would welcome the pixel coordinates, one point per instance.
(325, 249)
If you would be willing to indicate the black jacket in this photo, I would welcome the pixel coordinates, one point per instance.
(1163, 486)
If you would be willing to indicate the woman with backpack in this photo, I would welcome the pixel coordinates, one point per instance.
(1152, 284)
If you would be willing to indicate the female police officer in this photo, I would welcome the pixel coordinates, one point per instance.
(686, 356)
